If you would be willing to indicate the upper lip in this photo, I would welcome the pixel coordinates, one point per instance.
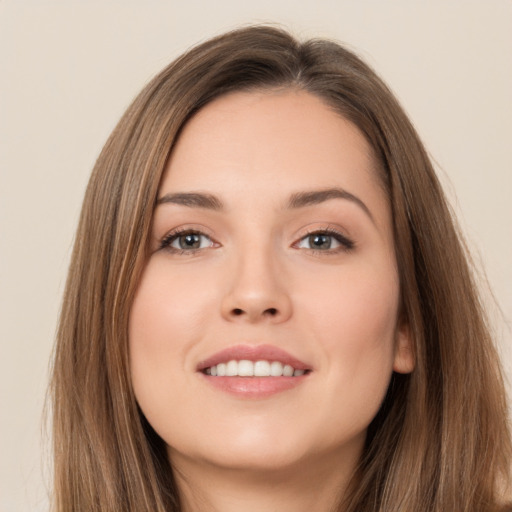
(253, 353)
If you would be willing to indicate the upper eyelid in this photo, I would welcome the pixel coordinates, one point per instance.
(187, 228)
(328, 228)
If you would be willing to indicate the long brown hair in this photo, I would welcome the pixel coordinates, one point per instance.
(440, 442)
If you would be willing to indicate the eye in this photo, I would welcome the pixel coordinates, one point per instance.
(324, 241)
(186, 241)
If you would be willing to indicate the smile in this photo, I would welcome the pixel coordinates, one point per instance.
(254, 371)
(246, 368)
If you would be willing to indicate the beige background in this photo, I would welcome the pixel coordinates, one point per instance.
(68, 69)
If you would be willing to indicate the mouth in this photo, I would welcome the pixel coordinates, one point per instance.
(253, 371)
(261, 368)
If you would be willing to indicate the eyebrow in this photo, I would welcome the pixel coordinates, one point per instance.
(297, 200)
(192, 200)
(303, 199)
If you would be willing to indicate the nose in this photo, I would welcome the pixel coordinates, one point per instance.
(256, 292)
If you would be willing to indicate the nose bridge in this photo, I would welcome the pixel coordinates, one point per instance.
(257, 290)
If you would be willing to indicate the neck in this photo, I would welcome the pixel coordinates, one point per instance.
(312, 485)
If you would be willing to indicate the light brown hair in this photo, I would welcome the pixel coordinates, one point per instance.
(441, 440)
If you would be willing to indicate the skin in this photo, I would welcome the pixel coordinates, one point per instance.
(255, 279)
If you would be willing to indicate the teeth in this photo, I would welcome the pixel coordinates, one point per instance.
(276, 369)
(288, 370)
(232, 369)
(245, 368)
(261, 369)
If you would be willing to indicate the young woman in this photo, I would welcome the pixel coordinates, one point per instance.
(269, 306)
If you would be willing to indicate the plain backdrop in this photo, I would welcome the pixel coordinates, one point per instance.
(68, 70)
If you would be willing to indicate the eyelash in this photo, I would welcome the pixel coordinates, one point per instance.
(166, 242)
(346, 245)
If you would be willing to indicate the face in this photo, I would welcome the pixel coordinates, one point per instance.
(272, 244)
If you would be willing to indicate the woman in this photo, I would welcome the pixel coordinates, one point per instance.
(269, 305)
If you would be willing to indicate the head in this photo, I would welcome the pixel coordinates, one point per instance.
(418, 432)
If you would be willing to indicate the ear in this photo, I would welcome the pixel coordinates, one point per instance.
(404, 361)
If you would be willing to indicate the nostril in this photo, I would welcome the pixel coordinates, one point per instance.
(271, 311)
(237, 311)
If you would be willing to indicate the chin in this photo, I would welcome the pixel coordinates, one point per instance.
(266, 450)
(245, 459)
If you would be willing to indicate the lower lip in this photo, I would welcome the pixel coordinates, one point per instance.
(254, 387)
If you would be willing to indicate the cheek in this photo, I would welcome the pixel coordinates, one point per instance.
(359, 304)
(354, 319)
(167, 318)
(169, 308)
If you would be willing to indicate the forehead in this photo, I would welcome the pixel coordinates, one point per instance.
(271, 143)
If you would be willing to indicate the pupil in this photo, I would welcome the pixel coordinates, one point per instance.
(190, 241)
(320, 241)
